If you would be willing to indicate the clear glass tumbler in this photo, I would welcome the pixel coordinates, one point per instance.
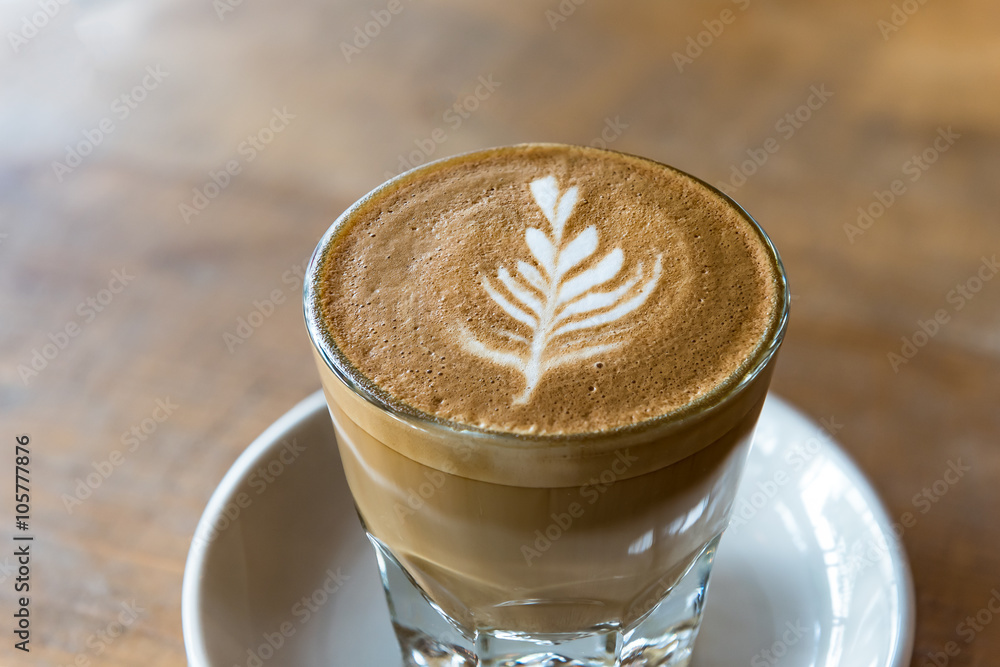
(494, 552)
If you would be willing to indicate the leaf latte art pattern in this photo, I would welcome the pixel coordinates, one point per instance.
(551, 303)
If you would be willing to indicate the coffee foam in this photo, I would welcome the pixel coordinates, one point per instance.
(546, 289)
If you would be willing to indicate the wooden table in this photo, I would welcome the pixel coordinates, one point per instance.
(167, 167)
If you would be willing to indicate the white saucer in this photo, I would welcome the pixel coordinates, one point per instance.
(810, 576)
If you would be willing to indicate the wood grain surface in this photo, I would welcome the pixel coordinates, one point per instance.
(116, 115)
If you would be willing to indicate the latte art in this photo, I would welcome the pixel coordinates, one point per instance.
(544, 289)
(548, 302)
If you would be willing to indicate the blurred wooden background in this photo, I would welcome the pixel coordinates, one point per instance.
(141, 103)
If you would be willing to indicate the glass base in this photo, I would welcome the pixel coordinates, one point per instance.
(664, 637)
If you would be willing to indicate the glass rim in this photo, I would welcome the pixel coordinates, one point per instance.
(719, 396)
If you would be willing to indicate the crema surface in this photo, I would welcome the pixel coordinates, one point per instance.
(546, 289)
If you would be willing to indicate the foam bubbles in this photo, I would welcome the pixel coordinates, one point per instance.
(639, 290)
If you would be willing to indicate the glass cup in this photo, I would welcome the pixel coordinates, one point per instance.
(494, 552)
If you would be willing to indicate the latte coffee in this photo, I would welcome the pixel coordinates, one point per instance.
(544, 365)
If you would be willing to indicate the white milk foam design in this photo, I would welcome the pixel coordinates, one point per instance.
(550, 305)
